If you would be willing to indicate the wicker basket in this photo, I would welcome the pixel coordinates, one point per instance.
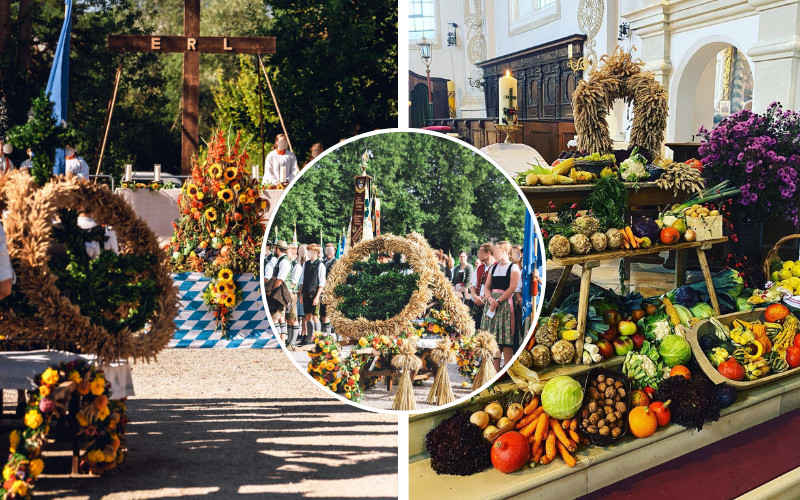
(772, 255)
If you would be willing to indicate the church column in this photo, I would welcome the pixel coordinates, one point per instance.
(776, 55)
(651, 25)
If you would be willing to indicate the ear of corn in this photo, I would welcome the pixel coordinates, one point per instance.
(671, 312)
(564, 167)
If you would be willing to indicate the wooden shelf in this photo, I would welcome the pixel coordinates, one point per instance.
(571, 260)
(648, 193)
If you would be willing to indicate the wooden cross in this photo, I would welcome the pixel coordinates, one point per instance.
(191, 44)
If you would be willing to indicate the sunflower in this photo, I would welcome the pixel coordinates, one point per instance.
(192, 190)
(200, 195)
(230, 173)
(242, 198)
(211, 214)
(225, 274)
(215, 170)
(226, 195)
(222, 288)
(251, 200)
(237, 188)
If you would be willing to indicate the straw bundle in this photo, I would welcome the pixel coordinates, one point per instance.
(441, 391)
(29, 228)
(407, 362)
(485, 348)
(620, 78)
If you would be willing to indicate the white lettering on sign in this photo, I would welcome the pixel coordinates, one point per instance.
(191, 44)
(225, 45)
(155, 43)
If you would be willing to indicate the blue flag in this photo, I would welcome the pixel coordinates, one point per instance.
(529, 263)
(58, 82)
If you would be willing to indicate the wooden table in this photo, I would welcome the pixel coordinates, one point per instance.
(592, 260)
(389, 373)
(648, 193)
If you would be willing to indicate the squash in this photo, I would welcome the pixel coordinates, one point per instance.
(731, 369)
(642, 422)
(775, 313)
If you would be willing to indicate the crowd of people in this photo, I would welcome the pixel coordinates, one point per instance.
(66, 161)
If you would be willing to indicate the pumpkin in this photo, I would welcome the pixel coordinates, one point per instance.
(642, 422)
(510, 452)
(224, 251)
(731, 369)
(682, 371)
(639, 398)
(662, 412)
(775, 313)
(670, 236)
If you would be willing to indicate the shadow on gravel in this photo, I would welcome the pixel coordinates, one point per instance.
(248, 448)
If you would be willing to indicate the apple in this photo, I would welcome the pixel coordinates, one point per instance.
(626, 328)
(612, 317)
(623, 345)
(637, 314)
(611, 333)
(650, 309)
(605, 348)
(638, 339)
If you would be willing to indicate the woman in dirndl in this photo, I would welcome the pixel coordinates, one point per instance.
(499, 292)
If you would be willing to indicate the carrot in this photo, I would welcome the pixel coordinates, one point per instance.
(531, 406)
(528, 430)
(530, 418)
(629, 232)
(565, 424)
(569, 459)
(574, 424)
(545, 460)
(574, 436)
(537, 454)
(550, 445)
(562, 437)
(541, 429)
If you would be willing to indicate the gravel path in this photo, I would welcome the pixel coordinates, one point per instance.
(236, 423)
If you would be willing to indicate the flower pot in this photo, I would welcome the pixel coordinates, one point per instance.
(750, 236)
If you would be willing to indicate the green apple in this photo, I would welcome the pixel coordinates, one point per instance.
(626, 328)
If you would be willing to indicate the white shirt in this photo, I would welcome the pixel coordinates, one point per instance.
(93, 248)
(26, 164)
(77, 166)
(297, 271)
(6, 165)
(321, 274)
(275, 162)
(6, 269)
(473, 282)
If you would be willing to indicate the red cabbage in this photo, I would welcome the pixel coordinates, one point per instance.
(646, 227)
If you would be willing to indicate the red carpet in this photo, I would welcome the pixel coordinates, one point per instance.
(721, 471)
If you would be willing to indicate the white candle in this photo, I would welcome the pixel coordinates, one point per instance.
(283, 174)
(254, 171)
(569, 50)
(128, 172)
(156, 173)
(507, 84)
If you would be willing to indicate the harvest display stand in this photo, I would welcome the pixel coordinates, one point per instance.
(641, 194)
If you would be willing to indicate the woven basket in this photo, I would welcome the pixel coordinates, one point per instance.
(772, 255)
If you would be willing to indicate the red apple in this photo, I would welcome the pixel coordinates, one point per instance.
(623, 345)
(612, 317)
(638, 339)
(610, 334)
(626, 328)
(605, 348)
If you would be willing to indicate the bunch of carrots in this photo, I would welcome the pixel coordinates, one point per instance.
(548, 436)
(630, 241)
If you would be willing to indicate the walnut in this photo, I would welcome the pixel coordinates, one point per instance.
(618, 414)
(611, 418)
(601, 378)
(605, 431)
(616, 432)
(608, 409)
(610, 402)
(593, 418)
(617, 398)
(601, 387)
(592, 407)
(620, 406)
(585, 423)
(621, 391)
(585, 412)
(619, 385)
(601, 423)
(594, 393)
(592, 429)
(610, 392)
(609, 381)
(593, 383)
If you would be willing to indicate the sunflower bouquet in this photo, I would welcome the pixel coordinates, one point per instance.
(150, 186)
(221, 297)
(220, 214)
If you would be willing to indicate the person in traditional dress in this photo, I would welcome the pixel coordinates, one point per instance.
(6, 165)
(498, 317)
(74, 164)
(462, 275)
(311, 282)
(280, 161)
(302, 257)
(384, 258)
(27, 164)
(281, 269)
(293, 282)
(476, 286)
(442, 258)
(330, 260)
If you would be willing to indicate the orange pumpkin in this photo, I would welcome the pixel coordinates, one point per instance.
(642, 422)
(682, 371)
(670, 236)
(775, 313)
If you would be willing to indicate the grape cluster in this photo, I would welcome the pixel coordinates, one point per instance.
(571, 154)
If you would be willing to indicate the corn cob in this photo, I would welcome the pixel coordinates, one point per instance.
(564, 167)
(671, 312)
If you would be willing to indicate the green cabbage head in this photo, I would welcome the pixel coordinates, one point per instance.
(674, 350)
(562, 397)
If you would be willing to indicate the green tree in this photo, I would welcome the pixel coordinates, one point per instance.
(42, 136)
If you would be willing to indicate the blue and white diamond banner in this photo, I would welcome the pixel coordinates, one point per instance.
(195, 323)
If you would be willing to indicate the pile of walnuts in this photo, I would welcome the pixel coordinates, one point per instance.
(604, 408)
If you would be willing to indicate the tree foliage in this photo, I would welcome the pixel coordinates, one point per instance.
(426, 183)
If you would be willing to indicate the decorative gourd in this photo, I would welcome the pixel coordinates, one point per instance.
(642, 422)
(775, 313)
(731, 369)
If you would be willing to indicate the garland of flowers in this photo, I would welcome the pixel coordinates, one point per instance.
(220, 214)
(150, 186)
(222, 296)
(101, 420)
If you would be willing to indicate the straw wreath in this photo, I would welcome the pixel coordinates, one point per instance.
(620, 78)
(441, 391)
(29, 226)
(485, 348)
(432, 281)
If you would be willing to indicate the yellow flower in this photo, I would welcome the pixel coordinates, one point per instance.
(237, 188)
(230, 174)
(20, 488)
(200, 195)
(225, 195)
(36, 467)
(230, 300)
(103, 413)
(362, 342)
(242, 198)
(335, 361)
(222, 288)
(7, 471)
(263, 205)
(13, 439)
(98, 385)
(225, 274)
(44, 390)
(192, 190)
(334, 387)
(347, 395)
(215, 170)
(124, 185)
(75, 376)
(154, 185)
(228, 240)
(82, 421)
(251, 200)
(211, 214)
(50, 376)
(356, 377)
(334, 353)
(95, 456)
(33, 419)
